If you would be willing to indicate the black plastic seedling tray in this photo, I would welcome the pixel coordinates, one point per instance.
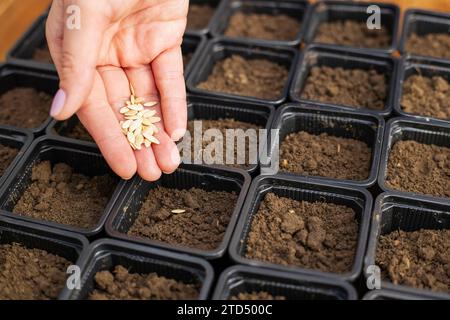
(22, 52)
(214, 3)
(60, 129)
(418, 66)
(316, 119)
(323, 55)
(244, 279)
(219, 49)
(14, 75)
(309, 190)
(105, 254)
(394, 211)
(384, 294)
(204, 108)
(423, 22)
(130, 201)
(295, 8)
(84, 158)
(18, 139)
(398, 129)
(329, 11)
(64, 244)
(192, 44)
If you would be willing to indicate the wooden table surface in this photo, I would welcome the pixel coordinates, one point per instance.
(16, 16)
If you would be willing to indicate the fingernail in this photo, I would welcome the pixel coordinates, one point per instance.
(58, 103)
(178, 134)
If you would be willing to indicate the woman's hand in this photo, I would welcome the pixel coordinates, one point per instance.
(121, 42)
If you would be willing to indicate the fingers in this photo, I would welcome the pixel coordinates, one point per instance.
(169, 78)
(166, 153)
(118, 91)
(101, 122)
(78, 56)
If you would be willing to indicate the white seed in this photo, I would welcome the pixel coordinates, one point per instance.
(131, 117)
(153, 140)
(136, 124)
(130, 113)
(136, 107)
(124, 110)
(154, 119)
(139, 139)
(126, 124)
(130, 136)
(177, 211)
(147, 143)
(150, 104)
(148, 113)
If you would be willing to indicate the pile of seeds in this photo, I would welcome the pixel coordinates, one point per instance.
(139, 124)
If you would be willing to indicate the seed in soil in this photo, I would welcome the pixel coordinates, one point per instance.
(123, 285)
(350, 87)
(199, 16)
(426, 96)
(7, 155)
(139, 125)
(420, 168)
(435, 45)
(325, 156)
(259, 78)
(255, 295)
(30, 274)
(420, 259)
(42, 54)
(223, 125)
(263, 26)
(352, 33)
(201, 225)
(314, 235)
(58, 194)
(24, 107)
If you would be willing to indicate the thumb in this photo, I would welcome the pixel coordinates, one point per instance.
(77, 61)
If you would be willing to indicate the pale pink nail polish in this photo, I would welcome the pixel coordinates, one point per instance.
(58, 103)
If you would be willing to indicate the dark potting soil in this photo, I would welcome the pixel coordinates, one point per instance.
(7, 155)
(263, 26)
(313, 235)
(30, 274)
(43, 55)
(123, 285)
(223, 125)
(261, 295)
(420, 168)
(199, 16)
(60, 195)
(350, 87)
(435, 45)
(325, 156)
(420, 259)
(78, 132)
(202, 225)
(426, 96)
(24, 107)
(352, 33)
(259, 78)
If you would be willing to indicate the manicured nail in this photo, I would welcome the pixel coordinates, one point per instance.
(58, 103)
(178, 134)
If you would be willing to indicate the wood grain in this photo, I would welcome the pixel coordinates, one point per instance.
(15, 18)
